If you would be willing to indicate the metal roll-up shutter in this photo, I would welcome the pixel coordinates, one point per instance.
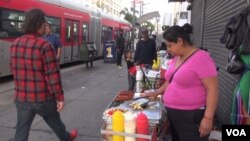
(196, 21)
(217, 14)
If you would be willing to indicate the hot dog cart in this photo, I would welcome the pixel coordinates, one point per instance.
(122, 101)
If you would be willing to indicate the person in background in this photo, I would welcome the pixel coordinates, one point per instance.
(120, 45)
(145, 51)
(54, 40)
(190, 92)
(160, 43)
(129, 45)
(37, 79)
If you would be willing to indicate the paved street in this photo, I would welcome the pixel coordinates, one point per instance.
(87, 94)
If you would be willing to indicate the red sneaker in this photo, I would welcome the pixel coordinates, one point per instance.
(73, 134)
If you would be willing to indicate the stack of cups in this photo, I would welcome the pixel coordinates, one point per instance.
(129, 125)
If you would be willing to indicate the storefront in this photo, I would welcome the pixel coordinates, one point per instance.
(209, 18)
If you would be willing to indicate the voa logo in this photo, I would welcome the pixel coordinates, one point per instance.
(236, 132)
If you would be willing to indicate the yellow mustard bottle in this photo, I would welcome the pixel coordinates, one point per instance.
(118, 125)
(158, 63)
(154, 66)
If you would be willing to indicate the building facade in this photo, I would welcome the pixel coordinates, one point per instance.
(110, 6)
(179, 14)
(209, 19)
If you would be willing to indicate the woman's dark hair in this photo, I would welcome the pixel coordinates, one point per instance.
(34, 19)
(175, 32)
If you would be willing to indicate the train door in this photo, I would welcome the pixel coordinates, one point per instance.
(71, 51)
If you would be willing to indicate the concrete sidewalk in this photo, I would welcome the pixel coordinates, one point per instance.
(87, 94)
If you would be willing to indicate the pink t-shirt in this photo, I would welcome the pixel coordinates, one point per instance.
(186, 90)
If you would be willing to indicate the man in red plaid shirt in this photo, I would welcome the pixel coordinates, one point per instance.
(38, 88)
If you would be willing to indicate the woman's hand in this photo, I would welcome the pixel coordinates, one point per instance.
(151, 95)
(206, 126)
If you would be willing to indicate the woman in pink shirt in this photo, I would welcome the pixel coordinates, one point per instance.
(190, 93)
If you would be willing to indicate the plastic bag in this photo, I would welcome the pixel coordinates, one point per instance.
(235, 65)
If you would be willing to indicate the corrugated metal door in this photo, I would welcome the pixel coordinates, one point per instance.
(197, 22)
(217, 14)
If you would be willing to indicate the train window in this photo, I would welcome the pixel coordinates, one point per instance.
(106, 34)
(109, 36)
(75, 31)
(116, 33)
(55, 25)
(10, 23)
(85, 32)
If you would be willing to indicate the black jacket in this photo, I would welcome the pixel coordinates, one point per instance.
(120, 43)
(145, 51)
(237, 32)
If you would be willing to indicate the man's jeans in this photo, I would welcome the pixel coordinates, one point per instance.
(26, 113)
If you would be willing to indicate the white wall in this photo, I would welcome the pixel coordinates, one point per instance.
(167, 19)
(182, 7)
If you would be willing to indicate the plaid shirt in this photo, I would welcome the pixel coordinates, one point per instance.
(35, 70)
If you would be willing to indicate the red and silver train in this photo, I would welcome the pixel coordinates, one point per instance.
(72, 20)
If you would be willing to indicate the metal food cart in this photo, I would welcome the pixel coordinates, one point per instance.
(154, 112)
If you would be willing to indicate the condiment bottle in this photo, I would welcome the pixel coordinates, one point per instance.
(142, 126)
(118, 125)
(129, 125)
(154, 66)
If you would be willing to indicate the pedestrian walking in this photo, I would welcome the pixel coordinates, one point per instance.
(120, 45)
(38, 87)
(145, 51)
(54, 40)
(190, 93)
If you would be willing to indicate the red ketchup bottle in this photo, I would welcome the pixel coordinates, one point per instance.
(142, 126)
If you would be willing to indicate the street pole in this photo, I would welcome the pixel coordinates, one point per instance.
(142, 4)
(140, 10)
(133, 26)
(157, 23)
